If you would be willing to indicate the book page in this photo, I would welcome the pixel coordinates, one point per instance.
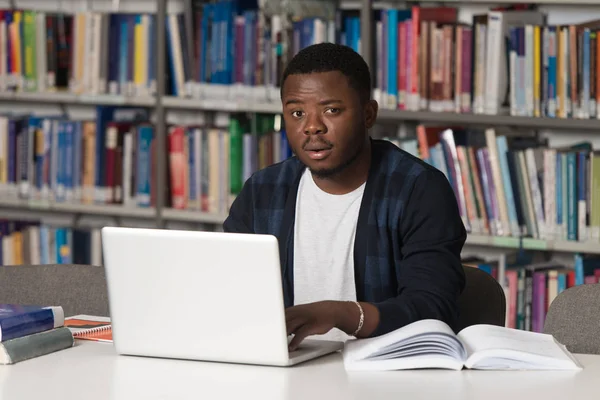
(505, 344)
(422, 344)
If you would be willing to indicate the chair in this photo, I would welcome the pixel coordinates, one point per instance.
(482, 300)
(573, 319)
(79, 289)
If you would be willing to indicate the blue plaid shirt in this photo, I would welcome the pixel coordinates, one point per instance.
(408, 241)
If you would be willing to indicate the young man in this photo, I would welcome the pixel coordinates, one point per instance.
(369, 236)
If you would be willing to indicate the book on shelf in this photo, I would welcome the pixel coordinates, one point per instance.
(509, 185)
(106, 160)
(68, 52)
(432, 344)
(531, 286)
(29, 331)
(35, 243)
(208, 166)
(90, 327)
(506, 60)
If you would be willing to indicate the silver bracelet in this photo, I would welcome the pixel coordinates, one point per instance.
(362, 318)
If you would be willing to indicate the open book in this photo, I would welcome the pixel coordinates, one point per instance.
(433, 344)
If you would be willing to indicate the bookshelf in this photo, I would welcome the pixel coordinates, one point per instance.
(264, 100)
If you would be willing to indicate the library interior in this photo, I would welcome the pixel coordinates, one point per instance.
(287, 199)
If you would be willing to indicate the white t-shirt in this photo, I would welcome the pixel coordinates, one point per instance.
(324, 232)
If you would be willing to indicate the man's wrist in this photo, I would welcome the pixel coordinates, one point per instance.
(347, 316)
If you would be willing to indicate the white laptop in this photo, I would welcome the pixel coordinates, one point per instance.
(200, 295)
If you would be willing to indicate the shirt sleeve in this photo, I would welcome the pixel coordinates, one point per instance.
(430, 274)
(240, 215)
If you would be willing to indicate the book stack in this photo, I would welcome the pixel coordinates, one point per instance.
(28, 332)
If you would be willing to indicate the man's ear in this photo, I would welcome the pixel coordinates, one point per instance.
(371, 109)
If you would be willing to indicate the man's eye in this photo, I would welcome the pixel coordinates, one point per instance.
(297, 114)
(333, 110)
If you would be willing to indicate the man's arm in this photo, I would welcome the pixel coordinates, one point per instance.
(430, 275)
(240, 215)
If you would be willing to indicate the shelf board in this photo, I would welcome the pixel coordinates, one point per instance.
(488, 120)
(222, 105)
(71, 98)
(550, 2)
(534, 244)
(78, 208)
(171, 214)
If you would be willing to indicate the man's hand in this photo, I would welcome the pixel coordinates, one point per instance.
(319, 318)
(310, 319)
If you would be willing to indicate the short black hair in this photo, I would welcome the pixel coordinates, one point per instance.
(327, 57)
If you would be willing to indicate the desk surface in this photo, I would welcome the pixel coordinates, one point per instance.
(94, 371)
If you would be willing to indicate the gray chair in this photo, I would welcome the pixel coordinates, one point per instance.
(573, 318)
(79, 289)
(482, 300)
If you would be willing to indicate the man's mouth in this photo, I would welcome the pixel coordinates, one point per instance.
(318, 153)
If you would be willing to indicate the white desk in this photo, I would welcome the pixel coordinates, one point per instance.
(94, 371)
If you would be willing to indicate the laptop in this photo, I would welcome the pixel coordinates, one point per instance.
(207, 296)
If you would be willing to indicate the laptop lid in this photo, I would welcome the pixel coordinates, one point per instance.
(195, 295)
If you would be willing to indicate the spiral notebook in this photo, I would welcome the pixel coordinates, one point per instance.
(88, 327)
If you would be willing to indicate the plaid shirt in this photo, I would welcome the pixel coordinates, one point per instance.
(408, 241)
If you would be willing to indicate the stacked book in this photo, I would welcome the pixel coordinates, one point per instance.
(28, 332)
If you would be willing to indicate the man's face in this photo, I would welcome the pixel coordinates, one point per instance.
(325, 121)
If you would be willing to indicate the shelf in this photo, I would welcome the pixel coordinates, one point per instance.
(534, 244)
(493, 2)
(172, 102)
(488, 120)
(70, 98)
(78, 208)
(170, 214)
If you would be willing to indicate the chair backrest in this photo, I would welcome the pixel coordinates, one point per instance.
(79, 289)
(482, 300)
(574, 320)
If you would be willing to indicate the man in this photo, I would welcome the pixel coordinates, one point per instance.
(369, 236)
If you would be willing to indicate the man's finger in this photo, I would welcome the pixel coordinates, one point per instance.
(293, 325)
(299, 336)
(291, 313)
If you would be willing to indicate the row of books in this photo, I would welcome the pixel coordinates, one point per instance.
(531, 286)
(83, 53)
(208, 166)
(502, 61)
(508, 185)
(111, 160)
(61, 160)
(34, 243)
(224, 42)
(505, 185)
